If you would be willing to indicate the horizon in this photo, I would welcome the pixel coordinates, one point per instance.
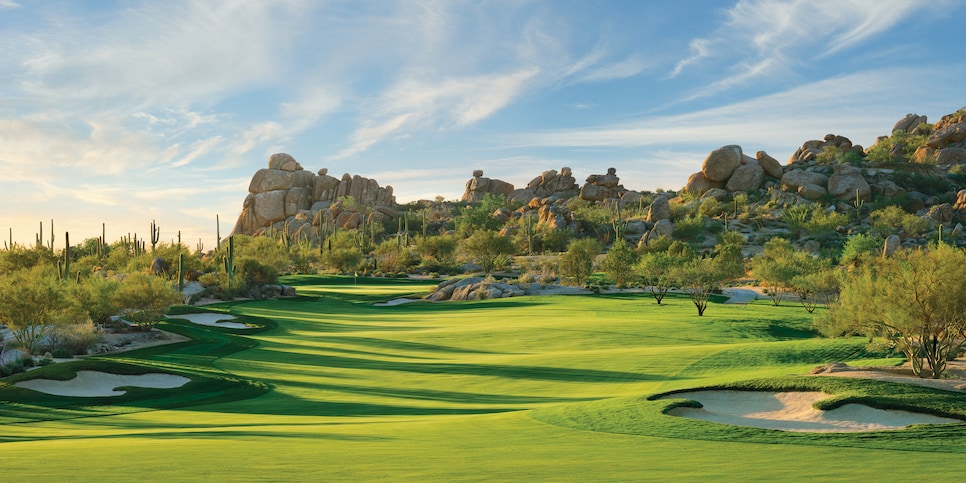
(128, 112)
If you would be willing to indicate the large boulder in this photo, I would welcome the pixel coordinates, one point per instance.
(721, 163)
(269, 207)
(660, 209)
(908, 123)
(478, 187)
(284, 162)
(748, 177)
(600, 187)
(847, 182)
(771, 165)
(952, 133)
(698, 184)
(795, 178)
(812, 191)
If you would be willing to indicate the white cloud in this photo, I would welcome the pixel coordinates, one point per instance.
(767, 37)
(9, 4)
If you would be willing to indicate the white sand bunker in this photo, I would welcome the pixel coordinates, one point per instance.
(793, 411)
(213, 320)
(100, 384)
(395, 302)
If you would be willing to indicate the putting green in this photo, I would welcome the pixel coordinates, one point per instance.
(525, 388)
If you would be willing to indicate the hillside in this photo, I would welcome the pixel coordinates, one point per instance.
(910, 184)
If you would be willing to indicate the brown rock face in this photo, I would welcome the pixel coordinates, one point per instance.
(846, 181)
(478, 187)
(601, 187)
(699, 184)
(721, 163)
(795, 178)
(746, 178)
(284, 193)
(908, 123)
(660, 209)
(771, 165)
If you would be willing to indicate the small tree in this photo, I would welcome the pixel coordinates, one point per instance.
(145, 299)
(914, 299)
(94, 296)
(817, 286)
(775, 268)
(577, 263)
(487, 248)
(32, 303)
(658, 272)
(619, 262)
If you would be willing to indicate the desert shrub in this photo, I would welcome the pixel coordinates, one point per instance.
(892, 220)
(62, 353)
(74, 338)
(711, 207)
(859, 247)
(822, 223)
(795, 217)
(657, 245)
(94, 296)
(619, 262)
(689, 227)
(488, 249)
(476, 216)
(255, 273)
(901, 142)
(577, 263)
(145, 298)
(22, 258)
(926, 183)
(553, 240)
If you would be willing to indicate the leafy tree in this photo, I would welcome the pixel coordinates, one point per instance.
(775, 268)
(815, 287)
(94, 296)
(436, 248)
(144, 299)
(391, 256)
(619, 262)
(32, 303)
(859, 247)
(474, 217)
(700, 278)
(577, 263)
(657, 269)
(487, 248)
(342, 252)
(19, 257)
(255, 273)
(914, 299)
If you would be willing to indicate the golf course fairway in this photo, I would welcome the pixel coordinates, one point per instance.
(329, 386)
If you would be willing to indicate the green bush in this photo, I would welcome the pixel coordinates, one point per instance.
(689, 227)
(255, 273)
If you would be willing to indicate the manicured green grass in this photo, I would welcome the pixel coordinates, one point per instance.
(332, 387)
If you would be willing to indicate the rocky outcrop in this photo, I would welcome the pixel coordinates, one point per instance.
(729, 168)
(699, 184)
(474, 288)
(909, 123)
(796, 178)
(286, 197)
(600, 187)
(548, 184)
(810, 150)
(947, 143)
(847, 183)
(660, 209)
(478, 187)
(721, 163)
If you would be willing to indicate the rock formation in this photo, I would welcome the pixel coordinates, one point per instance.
(947, 143)
(286, 197)
(730, 169)
(478, 187)
(549, 183)
(600, 187)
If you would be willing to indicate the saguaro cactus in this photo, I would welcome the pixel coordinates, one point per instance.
(229, 260)
(155, 235)
(181, 272)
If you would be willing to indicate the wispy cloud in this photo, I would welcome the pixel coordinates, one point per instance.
(761, 38)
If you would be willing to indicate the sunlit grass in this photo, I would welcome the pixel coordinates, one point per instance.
(515, 389)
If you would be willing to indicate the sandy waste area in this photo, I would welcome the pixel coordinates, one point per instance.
(101, 384)
(212, 320)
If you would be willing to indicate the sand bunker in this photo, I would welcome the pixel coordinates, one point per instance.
(793, 411)
(213, 320)
(100, 384)
(395, 302)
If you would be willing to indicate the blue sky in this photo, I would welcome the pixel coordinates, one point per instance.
(124, 112)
